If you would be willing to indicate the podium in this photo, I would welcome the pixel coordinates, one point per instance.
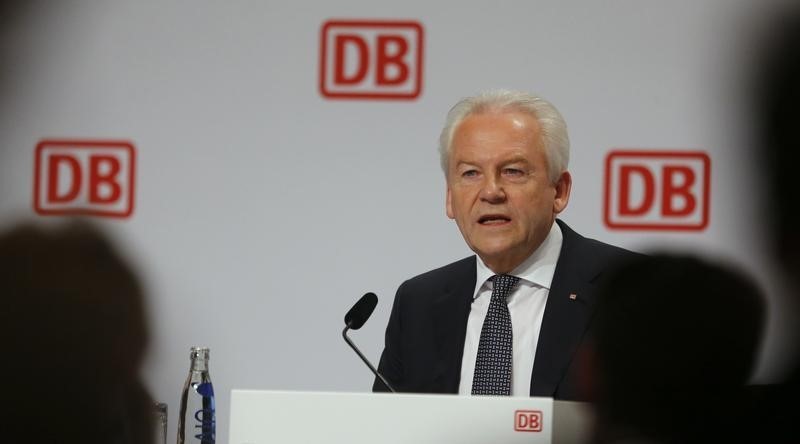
(262, 417)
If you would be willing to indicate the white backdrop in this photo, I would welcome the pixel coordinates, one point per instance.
(264, 210)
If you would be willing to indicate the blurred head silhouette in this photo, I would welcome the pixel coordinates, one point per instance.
(777, 93)
(676, 340)
(73, 318)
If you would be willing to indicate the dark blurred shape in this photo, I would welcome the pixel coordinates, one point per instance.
(777, 86)
(777, 116)
(74, 334)
(676, 340)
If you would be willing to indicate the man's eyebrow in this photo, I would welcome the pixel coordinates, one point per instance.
(516, 159)
(510, 161)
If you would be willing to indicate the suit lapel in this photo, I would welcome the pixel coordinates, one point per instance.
(569, 308)
(450, 313)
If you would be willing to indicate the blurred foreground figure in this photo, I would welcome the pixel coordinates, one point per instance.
(675, 343)
(777, 100)
(74, 332)
(777, 91)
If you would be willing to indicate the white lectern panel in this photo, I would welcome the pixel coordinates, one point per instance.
(261, 417)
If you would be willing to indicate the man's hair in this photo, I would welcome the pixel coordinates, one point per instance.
(552, 126)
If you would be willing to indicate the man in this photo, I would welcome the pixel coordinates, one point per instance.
(777, 92)
(510, 320)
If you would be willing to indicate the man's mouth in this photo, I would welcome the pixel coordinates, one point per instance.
(494, 219)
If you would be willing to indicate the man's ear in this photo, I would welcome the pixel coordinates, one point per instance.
(449, 204)
(563, 188)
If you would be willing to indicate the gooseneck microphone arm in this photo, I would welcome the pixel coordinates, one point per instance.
(366, 361)
(355, 319)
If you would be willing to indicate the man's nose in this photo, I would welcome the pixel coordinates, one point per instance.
(493, 191)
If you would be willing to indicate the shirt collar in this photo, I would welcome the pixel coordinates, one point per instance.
(538, 269)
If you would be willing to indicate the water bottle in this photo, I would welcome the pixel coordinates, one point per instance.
(196, 423)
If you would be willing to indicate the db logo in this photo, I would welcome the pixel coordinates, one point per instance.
(528, 421)
(371, 59)
(84, 178)
(657, 190)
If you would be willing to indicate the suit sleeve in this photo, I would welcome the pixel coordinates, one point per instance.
(391, 363)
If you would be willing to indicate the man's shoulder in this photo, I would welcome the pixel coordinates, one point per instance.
(454, 279)
(592, 248)
(454, 270)
(608, 249)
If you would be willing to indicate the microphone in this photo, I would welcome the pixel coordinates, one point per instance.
(355, 319)
(361, 311)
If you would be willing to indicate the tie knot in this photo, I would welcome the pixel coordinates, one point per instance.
(503, 284)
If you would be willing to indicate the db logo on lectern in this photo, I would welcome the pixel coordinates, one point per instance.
(84, 177)
(657, 190)
(528, 421)
(376, 59)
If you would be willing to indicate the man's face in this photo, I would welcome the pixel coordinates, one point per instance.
(498, 189)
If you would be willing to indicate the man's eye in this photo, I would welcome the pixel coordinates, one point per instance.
(513, 172)
(469, 173)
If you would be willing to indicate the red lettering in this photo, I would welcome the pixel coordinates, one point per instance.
(96, 179)
(362, 62)
(386, 60)
(671, 189)
(528, 421)
(533, 421)
(53, 178)
(625, 207)
(522, 421)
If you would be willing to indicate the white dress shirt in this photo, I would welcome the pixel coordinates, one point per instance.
(525, 303)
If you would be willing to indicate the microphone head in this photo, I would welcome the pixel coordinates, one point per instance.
(361, 311)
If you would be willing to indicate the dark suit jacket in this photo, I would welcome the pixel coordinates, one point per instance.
(428, 323)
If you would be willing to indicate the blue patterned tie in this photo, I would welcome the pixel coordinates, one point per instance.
(493, 364)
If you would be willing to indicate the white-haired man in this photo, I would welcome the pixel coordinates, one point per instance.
(509, 320)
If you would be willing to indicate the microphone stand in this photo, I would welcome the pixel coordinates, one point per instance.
(363, 358)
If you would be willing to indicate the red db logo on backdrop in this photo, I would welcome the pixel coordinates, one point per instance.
(375, 59)
(528, 421)
(657, 190)
(84, 178)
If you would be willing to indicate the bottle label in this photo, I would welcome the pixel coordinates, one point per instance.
(205, 425)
